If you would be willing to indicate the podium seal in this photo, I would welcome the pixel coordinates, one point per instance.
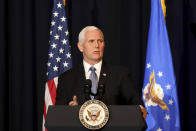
(93, 114)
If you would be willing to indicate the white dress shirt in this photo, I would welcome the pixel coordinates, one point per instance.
(96, 66)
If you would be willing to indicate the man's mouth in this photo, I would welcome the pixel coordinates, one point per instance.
(96, 52)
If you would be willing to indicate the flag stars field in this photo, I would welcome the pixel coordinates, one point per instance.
(56, 37)
(67, 33)
(58, 59)
(160, 74)
(168, 87)
(167, 117)
(48, 64)
(56, 14)
(171, 102)
(60, 28)
(59, 5)
(65, 64)
(55, 68)
(63, 19)
(51, 55)
(159, 129)
(64, 42)
(61, 50)
(148, 65)
(53, 23)
(68, 55)
(54, 45)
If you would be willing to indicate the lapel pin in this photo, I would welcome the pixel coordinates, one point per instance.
(104, 74)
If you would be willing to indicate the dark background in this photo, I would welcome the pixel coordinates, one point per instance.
(24, 36)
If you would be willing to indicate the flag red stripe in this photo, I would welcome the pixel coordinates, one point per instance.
(52, 90)
(44, 110)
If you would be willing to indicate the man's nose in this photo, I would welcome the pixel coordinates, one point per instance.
(96, 44)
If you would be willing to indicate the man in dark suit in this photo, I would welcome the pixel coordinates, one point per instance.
(116, 83)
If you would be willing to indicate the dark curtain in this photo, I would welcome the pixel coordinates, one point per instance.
(24, 36)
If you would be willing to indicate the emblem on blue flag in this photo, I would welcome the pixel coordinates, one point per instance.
(154, 94)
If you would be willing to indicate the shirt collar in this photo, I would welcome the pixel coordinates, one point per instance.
(97, 66)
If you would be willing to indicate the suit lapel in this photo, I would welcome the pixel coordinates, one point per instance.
(81, 80)
(105, 72)
(104, 75)
(81, 72)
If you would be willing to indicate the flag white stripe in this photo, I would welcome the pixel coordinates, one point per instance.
(56, 81)
(43, 125)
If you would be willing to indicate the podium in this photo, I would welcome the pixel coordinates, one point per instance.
(122, 118)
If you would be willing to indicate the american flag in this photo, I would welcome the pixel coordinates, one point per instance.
(59, 55)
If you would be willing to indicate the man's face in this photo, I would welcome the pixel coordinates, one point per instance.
(92, 47)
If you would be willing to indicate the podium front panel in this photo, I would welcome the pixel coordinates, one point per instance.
(122, 118)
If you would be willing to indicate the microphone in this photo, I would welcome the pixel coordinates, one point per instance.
(101, 87)
(100, 91)
(87, 89)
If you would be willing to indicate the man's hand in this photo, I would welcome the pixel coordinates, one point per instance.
(144, 112)
(74, 102)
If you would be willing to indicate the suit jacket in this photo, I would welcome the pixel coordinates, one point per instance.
(119, 86)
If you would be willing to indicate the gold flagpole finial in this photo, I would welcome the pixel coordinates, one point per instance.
(64, 2)
(163, 7)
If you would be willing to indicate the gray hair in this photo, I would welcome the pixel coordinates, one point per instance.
(82, 33)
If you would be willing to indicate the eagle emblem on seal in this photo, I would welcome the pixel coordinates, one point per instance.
(93, 114)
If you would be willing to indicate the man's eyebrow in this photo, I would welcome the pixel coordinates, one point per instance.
(91, 40)
(95, 39)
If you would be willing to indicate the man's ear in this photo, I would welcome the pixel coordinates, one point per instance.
(80, 46)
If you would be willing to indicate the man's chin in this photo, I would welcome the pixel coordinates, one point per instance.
(97, 59)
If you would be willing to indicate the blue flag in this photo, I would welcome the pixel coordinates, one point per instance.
(159, 89)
